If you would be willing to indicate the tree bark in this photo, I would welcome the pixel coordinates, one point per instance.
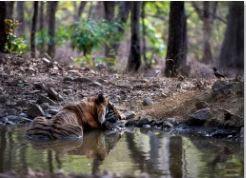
(10, 9)
(41, 26)
(3, 35)
(20, 17)
(232, 50)
(177, 40)
(207, 30)
(34, 29)
(134, 60)
(109, 7)
(143, 35)
(81, 9)
(52, 6)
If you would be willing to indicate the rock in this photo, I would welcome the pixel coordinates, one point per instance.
(221, 87)
(39, 86)
(131, 122)
(242, 132)
(167, 125)
(53, 110)
(143, 122)
(199, 117)
(201, 104)
(68, 79)
(83, 80)
(45, 106)
(147, 101)
(147, 126)
(44, 99)
(53, 94)
(232, 120)
(3, 99)
(47, 61)
(96, 84)
(35, 110)
(129, 115)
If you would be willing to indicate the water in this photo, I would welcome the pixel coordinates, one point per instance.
(158, 154)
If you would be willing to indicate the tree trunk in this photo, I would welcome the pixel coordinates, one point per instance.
(20, 17)
(207, 30)
(124, 11)
(109, 7)
(41, 26)
(143, 36)
(10, 9)
(81, 9)
(177, 40)
(52, 6)
(34, 29)
(134, 60)
(232, 50)
(3, 35)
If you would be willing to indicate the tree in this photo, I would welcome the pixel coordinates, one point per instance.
(3, 35)
(34, 28)
(81, 9)
(232, 50)
(177, 40)
(134, 60)
(10, 9)
(109, 7)
(41, 25)
(20, 17)
(207, 15)
(144, 34)
(52, 6)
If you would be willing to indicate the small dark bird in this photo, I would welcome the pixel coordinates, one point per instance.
(217, 74)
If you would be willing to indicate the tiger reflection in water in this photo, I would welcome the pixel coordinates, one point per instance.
(95, 145)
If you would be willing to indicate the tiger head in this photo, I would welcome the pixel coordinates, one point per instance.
(101, 107)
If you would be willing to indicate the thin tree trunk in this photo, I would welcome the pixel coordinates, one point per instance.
(124, 11)
(134, 60)
(109, 7)
(177, 40)
(232, 50)
(207, 30)
(3, 35)
(34, 28)
(52, 6)
(10, 9)
(143, 36)
(81, 9)
(41, 26)
(20, 17)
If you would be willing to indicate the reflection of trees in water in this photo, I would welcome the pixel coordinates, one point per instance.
(152, 165)
(175, 163)
(138, 156)
(221, 157)
(2, 148)
(95, 145)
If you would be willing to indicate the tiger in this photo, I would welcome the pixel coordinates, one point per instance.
(73, 119)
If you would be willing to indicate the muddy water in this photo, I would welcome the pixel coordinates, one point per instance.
(158, 154)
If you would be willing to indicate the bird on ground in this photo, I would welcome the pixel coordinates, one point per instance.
(217, 74)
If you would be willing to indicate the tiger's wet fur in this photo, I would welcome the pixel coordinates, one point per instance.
(72, 120)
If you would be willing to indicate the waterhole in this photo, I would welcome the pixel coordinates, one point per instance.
(157, 153)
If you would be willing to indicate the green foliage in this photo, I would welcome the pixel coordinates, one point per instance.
(14, 44)
(90, 34)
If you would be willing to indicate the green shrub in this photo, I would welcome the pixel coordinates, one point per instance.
(14, 44)
(90, 34)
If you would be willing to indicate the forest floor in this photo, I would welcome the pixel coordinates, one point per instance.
(32, 87)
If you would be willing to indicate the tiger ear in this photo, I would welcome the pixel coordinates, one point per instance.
(100, 98)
